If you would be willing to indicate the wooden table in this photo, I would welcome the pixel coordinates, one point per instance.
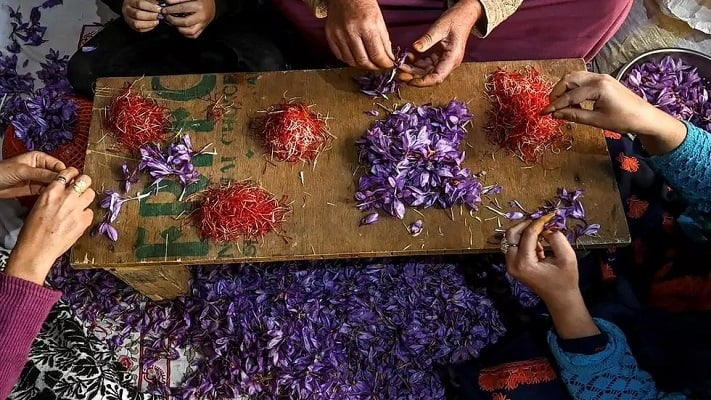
(157, 242)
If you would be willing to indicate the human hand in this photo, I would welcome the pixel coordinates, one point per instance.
(27, 174)
(614, 108)
(555, 277)
(141, 15)
(60, 216)
(357, 35)
(451, 31)
(191, 17)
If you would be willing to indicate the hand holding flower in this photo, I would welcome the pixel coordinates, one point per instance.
(27, 174)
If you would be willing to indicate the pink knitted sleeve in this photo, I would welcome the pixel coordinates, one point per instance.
(23, 308)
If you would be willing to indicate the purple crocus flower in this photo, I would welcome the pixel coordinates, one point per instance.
(382, 84)
(105, 228)
(568, 209)
(413, 159)
(175, 161)
(673, 86)
(130, 176)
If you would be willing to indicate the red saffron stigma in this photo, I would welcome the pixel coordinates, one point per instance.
(135, 121)
(240, 210)
(292, 132)
(515, 122)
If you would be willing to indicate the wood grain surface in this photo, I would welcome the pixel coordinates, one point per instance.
(325, 222)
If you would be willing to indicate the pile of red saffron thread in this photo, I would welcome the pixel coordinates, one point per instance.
(135, 121)
(293, 132)
(239, 210)
(515, 122)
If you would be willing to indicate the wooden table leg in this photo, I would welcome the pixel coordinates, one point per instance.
(156, 282)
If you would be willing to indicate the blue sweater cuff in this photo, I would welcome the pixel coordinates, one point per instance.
(687, 168)
(607, 358)
(611, 373)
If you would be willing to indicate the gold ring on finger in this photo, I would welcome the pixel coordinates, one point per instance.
(505, 245)
(80, 187)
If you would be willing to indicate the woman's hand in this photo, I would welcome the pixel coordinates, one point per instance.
(554, 277)
(451, 31)
(60, 216)
(27, 174)
(191, 17)
(141, 15)
(615, 108)
(357, 35)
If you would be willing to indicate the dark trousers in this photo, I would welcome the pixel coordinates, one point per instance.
(227, 45)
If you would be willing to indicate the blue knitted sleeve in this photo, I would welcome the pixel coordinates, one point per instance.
(687, 169)
(610, 374)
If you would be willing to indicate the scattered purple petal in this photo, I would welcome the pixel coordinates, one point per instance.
(370, 219)
(416, 227)
(373, 113)
(514, 215)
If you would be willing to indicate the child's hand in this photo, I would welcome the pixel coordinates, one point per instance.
(140, 15)
(555, 277)
(614, 108)
(191, 17)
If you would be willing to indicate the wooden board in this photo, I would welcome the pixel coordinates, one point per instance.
(325, 221)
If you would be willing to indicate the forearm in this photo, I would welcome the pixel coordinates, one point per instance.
(571, 318)
(23, 308)
(659, 132)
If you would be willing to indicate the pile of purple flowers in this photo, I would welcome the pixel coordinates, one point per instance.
(341, 330)
(674, 87)
(569, 214)
(414, 159)
(43, 119)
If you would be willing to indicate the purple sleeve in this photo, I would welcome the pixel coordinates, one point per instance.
(23, 308)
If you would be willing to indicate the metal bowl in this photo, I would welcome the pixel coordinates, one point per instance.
(694, 58)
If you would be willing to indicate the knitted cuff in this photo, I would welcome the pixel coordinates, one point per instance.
(687, 168)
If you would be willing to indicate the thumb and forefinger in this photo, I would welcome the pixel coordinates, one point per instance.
(45, 161)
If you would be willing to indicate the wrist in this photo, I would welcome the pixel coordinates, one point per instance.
(572, 320)
(564, 300)
(474, 6)
(33, 269)
(660, 132)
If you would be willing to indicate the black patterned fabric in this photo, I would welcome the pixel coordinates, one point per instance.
(68, 363)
